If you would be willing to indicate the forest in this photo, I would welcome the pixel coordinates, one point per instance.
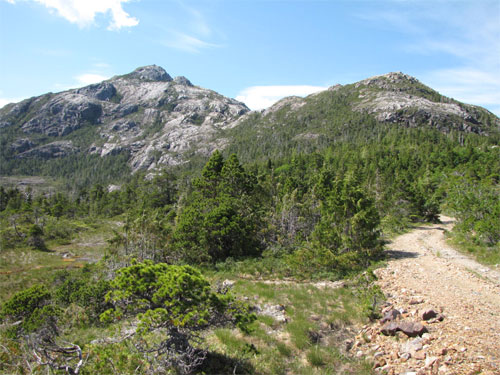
(154, 298)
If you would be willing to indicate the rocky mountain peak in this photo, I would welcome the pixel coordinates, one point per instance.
(389, 81)
(151, 73)
(181, 80)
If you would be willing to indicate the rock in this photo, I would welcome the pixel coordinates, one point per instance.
(55, 149)
(314, 317)
(390, 328)
(275, 311)
(430, 361)
(416, 300)
(429, 314)
(150, 73)
(181, 80)
(410, 329)
(390, 316)
(379, 362)
(100, 91)
(419, 355)
(324, 326)
(405, 356)
(359, 353)
(228, 283)
(63, 115)
(21, 145)
(438, 318)
(412, 346)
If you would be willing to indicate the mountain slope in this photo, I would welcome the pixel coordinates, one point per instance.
(362, 111)
(146, 119)
(154, 118)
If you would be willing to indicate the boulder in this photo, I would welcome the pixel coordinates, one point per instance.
(410, 329)
(429, 314)
(390, 316)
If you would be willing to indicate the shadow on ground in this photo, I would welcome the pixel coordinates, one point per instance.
(399, 254)
(216, 363)
(431, 228)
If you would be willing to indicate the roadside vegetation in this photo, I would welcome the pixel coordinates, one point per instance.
(230, 269)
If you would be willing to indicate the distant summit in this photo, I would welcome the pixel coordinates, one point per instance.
(153, 119)
(151, 73)
(150, 120)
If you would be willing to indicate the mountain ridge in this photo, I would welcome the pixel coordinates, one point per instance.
(157, 121)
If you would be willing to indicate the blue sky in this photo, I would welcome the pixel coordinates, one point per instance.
(254, 50)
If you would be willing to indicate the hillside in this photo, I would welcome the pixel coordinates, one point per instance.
(145, 120)
(364, 111)
(146, 116)
(261, 259)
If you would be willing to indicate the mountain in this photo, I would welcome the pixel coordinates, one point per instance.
(146, 119)
(362, 111)
(149, 115)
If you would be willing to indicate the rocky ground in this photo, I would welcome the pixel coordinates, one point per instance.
(442, 314)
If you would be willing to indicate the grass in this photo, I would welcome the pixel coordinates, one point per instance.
(487, 255)
(22, 267)
(318, 321)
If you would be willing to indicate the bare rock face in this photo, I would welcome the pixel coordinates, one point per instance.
(55, 149)
(400, 98)
(151, 73)
(63, 114)
(181, 80)
(159, 121)
(100, 91)
(155, 118)
(21, 145)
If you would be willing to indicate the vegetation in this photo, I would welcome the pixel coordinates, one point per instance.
(135, 278)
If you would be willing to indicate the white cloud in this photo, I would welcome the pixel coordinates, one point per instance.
(187, 43)
(89, 78)
(467, 33)
(83, 12)
(81, 80)
(260, 97)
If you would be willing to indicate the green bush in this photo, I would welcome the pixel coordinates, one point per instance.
(22, 304)
(176, 300)
(31, 307)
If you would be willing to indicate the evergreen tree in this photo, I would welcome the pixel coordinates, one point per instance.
(221, 218)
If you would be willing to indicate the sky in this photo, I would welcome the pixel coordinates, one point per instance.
(256, 51)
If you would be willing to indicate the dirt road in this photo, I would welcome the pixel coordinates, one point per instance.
(425, 273)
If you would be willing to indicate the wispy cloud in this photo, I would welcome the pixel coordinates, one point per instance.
(189, 31)
(187, 43)
(260, 97)
(198, 22)
(467, 32)
(83, 12)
